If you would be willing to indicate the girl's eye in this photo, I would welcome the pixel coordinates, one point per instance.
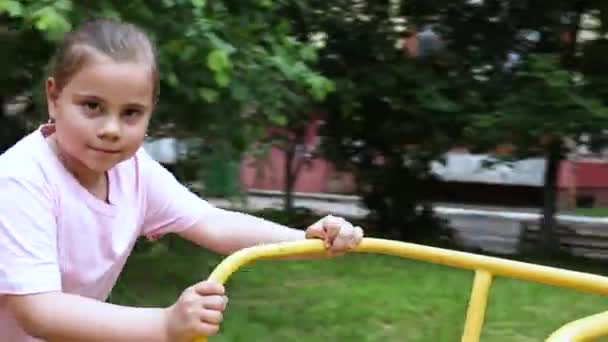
(131, 113)
(92, 106)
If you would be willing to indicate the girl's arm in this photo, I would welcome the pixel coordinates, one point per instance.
(60, 317)
(226, 232)
(63, 317)
(172, 208)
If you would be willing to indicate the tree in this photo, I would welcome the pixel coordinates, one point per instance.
(542, 112)
(24, 52)
(532, 74)
(288, 127)
(389, 116)
(296, 140)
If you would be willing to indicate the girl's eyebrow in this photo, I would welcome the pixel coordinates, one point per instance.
(135, 105)
(90, 96)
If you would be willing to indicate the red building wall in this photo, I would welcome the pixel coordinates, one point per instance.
(319, 176)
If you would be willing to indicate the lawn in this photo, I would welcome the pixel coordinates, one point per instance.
(351, 298)
(593, 212)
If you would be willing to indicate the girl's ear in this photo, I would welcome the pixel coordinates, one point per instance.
(52, 94)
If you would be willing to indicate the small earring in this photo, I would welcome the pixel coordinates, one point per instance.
(51, 121)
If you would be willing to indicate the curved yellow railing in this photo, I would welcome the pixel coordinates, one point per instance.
(485, 268)
(586, 329)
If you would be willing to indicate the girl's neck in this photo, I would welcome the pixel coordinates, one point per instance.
(91, 180)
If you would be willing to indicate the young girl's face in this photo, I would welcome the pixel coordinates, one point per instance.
(102, 113)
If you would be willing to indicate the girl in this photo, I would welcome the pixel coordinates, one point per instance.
(78, 192)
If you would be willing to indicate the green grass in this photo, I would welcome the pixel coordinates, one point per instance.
(593, 212)
(351, 298)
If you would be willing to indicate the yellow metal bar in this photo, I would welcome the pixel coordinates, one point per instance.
(584, 282)
(477, 306)
(585, 329)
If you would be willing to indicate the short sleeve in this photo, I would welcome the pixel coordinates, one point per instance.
(28, 239)
(170, 206)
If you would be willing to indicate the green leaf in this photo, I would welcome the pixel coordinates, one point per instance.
(222, 79)
(330, 86)
(265, 3)
(63, 5)
(13, 8)
(172, 79)
(111, 14)
(187, 53)
(320, 87)
(209, 95)
(430, 97)
(174, 47)
(218, 60)
(198, 3)
(278, 119)
(220, 43)
(309, 53)
(51, 22)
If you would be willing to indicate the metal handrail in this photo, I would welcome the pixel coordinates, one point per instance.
(485, 268)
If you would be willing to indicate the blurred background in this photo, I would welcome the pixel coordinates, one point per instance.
(474, 125)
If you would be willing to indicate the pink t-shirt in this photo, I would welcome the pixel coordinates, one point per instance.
(56, 236)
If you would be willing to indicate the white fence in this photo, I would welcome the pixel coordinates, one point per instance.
(505, 232)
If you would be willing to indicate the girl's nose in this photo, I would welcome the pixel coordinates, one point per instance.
(110, 129)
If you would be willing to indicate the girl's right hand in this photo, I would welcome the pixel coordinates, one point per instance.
(198, 312)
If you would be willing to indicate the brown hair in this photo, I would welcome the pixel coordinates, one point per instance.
(121, 42)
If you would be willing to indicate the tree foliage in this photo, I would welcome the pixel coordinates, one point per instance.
(533, 70)
(487, 73)
(531, 81)
(390, 116)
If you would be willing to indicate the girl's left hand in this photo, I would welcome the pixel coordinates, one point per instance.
(338, 234)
